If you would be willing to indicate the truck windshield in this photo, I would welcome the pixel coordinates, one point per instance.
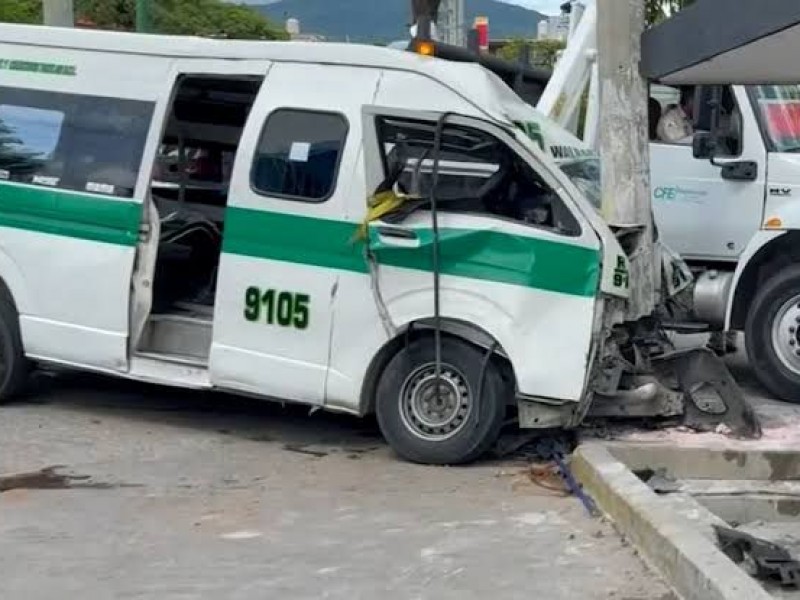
(779, 110)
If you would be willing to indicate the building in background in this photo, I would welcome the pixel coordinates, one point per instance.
(296, 34)
(554, 28)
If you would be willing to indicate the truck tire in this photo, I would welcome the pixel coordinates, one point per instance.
(14, 367)
(456, 428)
(772, 334)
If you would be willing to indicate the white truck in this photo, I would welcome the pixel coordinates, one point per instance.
(725, 200)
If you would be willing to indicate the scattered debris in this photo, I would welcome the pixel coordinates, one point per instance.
(241, 535)
(772, 562)
(553, 449)
(49, 478)
(723, 429)
(712, 395)
(543, 475)
(534, 446)
(659, 481)
(305, 450)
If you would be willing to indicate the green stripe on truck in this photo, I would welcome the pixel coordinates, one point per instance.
(473, 254)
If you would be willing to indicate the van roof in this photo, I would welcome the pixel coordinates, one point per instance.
(463, 77)
(473, 82)
(197, 47)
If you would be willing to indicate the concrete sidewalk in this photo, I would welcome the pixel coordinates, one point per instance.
(747, 485)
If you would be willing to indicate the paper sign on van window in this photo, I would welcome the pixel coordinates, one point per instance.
(300, 152)
(5, 174)
(45, 180)
(100, 188)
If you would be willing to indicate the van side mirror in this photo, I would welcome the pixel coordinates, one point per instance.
(703, 145)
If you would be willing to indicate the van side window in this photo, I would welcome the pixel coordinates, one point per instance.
(72, 142)
(477, 174)
(298, 155)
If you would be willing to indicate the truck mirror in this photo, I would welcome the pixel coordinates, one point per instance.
(703, 145)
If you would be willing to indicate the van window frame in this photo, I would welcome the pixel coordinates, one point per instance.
(523, 156)
(336, 172)
(65, 103)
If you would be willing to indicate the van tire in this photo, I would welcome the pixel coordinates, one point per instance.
(772, 334)
(462, 427)
(14, 367)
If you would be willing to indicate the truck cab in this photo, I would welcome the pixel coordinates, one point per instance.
(724, 198)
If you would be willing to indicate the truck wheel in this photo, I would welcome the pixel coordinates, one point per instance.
(14, 368)
(772, 335)
(458, 426)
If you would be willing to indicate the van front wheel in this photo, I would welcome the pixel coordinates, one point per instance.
(773, 335)
(14, 368)
(453, 426)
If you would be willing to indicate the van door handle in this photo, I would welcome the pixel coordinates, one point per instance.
(398, 236)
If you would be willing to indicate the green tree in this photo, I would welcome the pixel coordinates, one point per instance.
(12, 156)
(183, 17)
(21, 11)
(543, 53)
(212, 18)
(658, 10)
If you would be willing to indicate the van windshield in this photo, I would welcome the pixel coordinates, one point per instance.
(779, 110)
(585, 175)
(578, 161)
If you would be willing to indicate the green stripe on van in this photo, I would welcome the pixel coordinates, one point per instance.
(74, 215)
(473, 254)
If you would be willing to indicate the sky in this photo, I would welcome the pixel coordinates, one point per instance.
(548, 7)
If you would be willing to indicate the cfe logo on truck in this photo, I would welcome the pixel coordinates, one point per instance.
(678, 194)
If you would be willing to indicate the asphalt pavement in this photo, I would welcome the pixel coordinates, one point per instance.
(117, 490)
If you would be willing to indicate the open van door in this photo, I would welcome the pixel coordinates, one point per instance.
(71, 196)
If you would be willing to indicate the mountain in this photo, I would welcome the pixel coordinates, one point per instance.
(386, 20)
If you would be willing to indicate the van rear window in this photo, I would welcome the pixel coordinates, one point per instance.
(73, 142)
(298, 155)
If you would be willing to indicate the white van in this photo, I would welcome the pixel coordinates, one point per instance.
(188, 212)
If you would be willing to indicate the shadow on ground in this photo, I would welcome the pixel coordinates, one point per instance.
(246, 418)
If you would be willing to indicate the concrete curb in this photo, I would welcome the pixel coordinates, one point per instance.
(691, 563)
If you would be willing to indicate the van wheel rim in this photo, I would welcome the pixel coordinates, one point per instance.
(431, 418)
(786, 334)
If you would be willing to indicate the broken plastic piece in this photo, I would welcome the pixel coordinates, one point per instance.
(771, 560)
(712, 394)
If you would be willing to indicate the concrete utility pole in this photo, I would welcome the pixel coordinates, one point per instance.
(58, 13)
(624, 144)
